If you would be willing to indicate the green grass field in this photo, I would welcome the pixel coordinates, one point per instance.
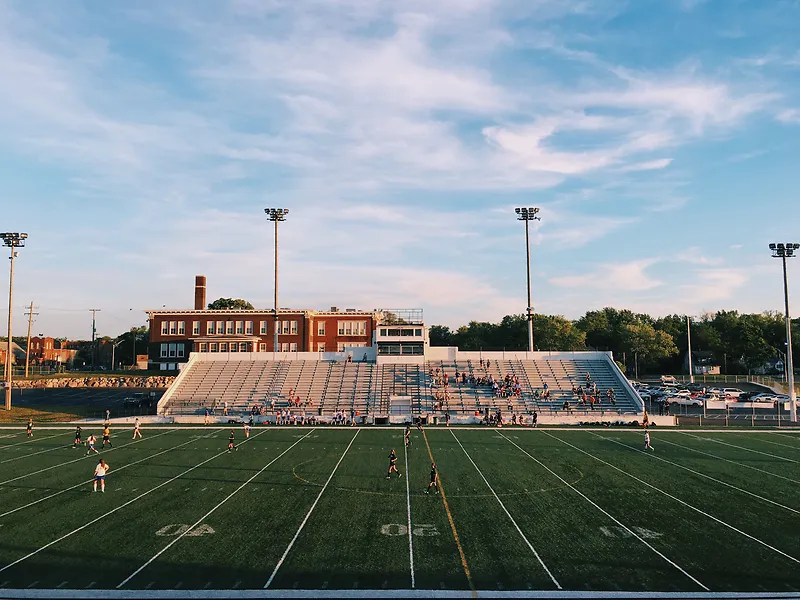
(311, 509)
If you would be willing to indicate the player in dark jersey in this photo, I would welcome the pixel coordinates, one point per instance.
(407, 436)
(434, 483)
(107, 438)
(77, 437)
(393, 465)
(231, 445)
(30, 428)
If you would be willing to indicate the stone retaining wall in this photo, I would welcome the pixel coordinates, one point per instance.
(158, 381)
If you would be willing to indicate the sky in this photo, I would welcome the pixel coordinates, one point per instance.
(141, 141)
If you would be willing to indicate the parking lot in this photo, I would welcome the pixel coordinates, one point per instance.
(96, 400)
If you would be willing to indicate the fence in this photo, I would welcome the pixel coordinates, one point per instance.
(770, 382)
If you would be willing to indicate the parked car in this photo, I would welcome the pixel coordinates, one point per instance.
(732, 392)
(137, 400)
(669, 380)
(687, 401)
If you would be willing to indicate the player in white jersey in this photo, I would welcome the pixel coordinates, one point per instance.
(246, 430)
(647, 445)
(136, 432)
(90, 444)
(100, 475)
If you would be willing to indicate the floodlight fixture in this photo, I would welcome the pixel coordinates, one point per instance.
(528, 214)
(276, 214)
(784, 251)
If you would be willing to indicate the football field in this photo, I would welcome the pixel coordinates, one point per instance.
(311, 508)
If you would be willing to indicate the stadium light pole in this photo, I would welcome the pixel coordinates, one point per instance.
(13, 241)
(528, 215)
(784, 251)
(276, 215)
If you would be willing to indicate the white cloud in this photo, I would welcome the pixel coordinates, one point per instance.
(621, 277)
(650, 165)
(790, 115)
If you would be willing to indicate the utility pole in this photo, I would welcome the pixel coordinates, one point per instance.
(689, 342)
(94, 312)
(30, 315)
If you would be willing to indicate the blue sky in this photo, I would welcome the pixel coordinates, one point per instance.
(141, 141)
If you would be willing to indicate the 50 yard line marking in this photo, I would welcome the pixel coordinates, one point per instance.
(508, 514)
(408, 506)
(112, 511)
(452, 523)
(668, 495)
(205, 516)
(590, 501)
(310, 510)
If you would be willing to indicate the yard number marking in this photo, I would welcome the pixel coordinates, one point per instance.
(183, 529)
(622, 532)
(421, 529)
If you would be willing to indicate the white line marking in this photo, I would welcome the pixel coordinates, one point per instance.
(668, 495)
(60, 585)
(205, 516)
(31, 440)
(91, 585)
(149, 585)
(779, 444)
(733, 462)
(669, 462)
(32, 454)
(503, 506)
(112, 511)
(33, 584)
(408, 507)
(78, 459)
(117, 470)
(606, 513)
(310, 510)
(748, 449)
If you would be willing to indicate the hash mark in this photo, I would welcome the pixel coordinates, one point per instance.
(236, 585)
(5, 583)
(62, 584)
(324, 585)
(91, 585)
(385, 584)
(499, 585)
(207, 585)
(33, 584)
(441, 584)
(355, 585)
(178, 585)
(295, 584)
(149, 585)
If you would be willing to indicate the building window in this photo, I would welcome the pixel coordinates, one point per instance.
(293, 347)
(383, 332)
(173, 327)
(242, 346)
(248, 328)
(172, 350)
(180, 350)
(284, 327)
(234, 347)
(229, 328)
(285, 347)
(212, 347)
(353, 328)
(195, 327)
(203, 347)
(239, 327)
(418, 332)
(181, 327)
(293, 330)
(164, 327)
(262, 326)
(321, 328)
(220, 327)
(320, 346)
(210, 328)
(163, 350)
(262, 347)
(223, 346)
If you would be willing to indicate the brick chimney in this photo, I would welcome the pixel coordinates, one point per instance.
(200, 292)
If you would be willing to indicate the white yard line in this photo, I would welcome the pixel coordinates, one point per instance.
(668, 495)
(779, 444)
(205, 516)
(698, 473)
(33, 454)
(661, 440)
(748, 449)
(112, 511)
(116, 470)
(83, 455)
(30, 440)
(602, 510)
(408, 507)
(508, 514)
(310, 510)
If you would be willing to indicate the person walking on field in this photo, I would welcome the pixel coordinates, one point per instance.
(647, 445)
(136, 431)
(100, 475)
(30, 428)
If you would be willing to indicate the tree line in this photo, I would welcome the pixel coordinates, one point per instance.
(741, 343)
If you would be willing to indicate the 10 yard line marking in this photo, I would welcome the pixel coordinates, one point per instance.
(750, 450)
(452, 523)
(582, 495)
(103, 516)
(503, 506)
(674, 464)
(5, 514)
(668, 495)
(205, 516)
(310, 510)
(81, 458)
(408, 506)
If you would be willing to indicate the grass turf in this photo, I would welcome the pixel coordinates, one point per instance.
(311, 508)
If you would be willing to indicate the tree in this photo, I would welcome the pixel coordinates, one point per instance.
(648, 344)
(230, 303)
(440, 335)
